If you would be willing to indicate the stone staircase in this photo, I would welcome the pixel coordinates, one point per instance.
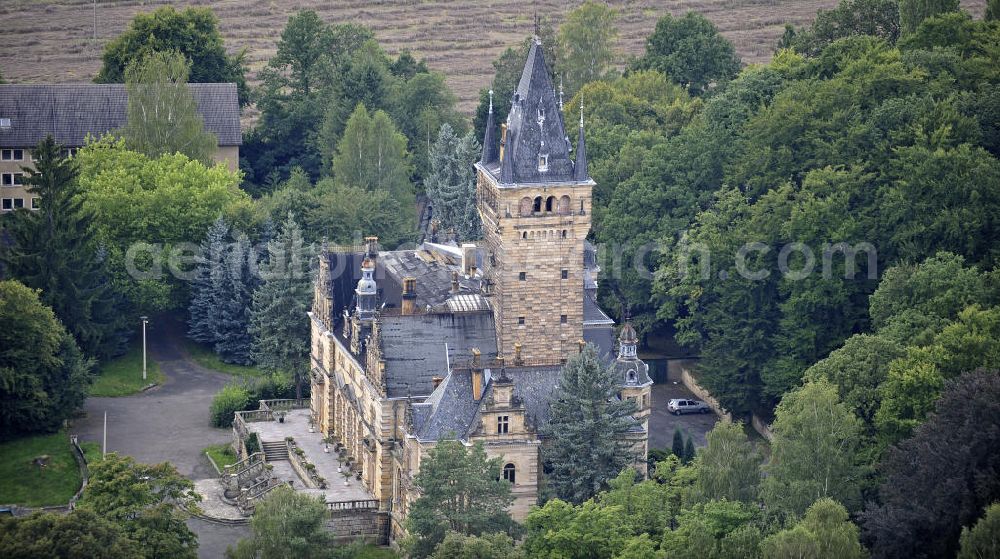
(275, 450)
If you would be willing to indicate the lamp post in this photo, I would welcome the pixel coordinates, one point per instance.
(145, 320)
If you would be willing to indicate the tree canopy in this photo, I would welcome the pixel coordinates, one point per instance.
(587, 45)
(162, 115)
(192, 32)
(43, 375)
(690, 51)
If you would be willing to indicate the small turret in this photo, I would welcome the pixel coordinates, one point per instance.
(491, 148)
(580, 173)
(627, 342)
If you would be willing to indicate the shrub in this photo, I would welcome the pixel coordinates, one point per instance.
(252, 443)
(231, 399)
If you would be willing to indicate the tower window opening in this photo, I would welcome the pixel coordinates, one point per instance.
(537, 206)
(550, 203)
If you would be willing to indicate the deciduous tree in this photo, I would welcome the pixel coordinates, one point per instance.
(81, 533)
(587, 44)
(192, 32)
(943, 477)
(460, 491)
(983, 540)
(815, 452)
(162, 114)
(825, 532)
(286, 524)
(690, 51)
(913, 12)
(729, 465)
(43, 375)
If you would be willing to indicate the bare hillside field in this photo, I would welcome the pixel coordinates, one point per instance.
(60, 41)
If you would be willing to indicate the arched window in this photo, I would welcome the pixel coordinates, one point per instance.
(550, 203)
(564, 233)
(509, 472)
(524, 235)
(631, 377)
(564, 205)
(525, 207)
(537, 207)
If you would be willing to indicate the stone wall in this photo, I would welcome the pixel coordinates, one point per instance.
(689, 381)
(367, 525)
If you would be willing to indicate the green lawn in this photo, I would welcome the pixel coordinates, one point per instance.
(207, 358)
(222, 454)
(92, 452)
(24, 483)
(122, 376)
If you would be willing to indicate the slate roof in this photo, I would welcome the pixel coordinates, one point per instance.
(72, 111)
(534, 127)
(413, 347)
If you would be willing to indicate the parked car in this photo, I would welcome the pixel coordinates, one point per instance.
(679, 406)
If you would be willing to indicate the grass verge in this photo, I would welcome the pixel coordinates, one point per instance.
(207, 358)
(92, 452)
(222, 455)
(122, 376)
(24, 483)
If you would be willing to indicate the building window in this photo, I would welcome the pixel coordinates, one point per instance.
(550, 203)
(520, 321)
(503, 424)
(12, 155)
(34, 203)
(8, 203)
(645, 400)
(562, 318)
(12, 179)
(508, 472)
(543, 163)
(18, 203)
(4, 123)
(565, 274)
(522, 276)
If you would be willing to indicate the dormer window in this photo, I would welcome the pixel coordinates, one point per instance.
(543, 162)
(4, 123)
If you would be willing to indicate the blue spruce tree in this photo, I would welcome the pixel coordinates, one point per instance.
(451, 184)
(207, 288)
(232, 333)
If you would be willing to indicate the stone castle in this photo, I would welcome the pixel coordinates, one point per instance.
(466, 342)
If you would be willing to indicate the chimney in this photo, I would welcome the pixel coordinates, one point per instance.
(469, 259)
(436, 381)
(477, 375)
(517, 354)
(409, 304)
(454, 283)
(371, 245)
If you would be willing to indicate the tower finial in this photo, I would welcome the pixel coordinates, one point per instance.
(538, 28)
(581, 109)
(491, 100)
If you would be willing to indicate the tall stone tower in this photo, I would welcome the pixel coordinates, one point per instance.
(534, 201)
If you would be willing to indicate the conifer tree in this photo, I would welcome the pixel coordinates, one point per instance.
(232, 333)
(279, 323)
(451, 185)
(689, 452)
(54, 250)
(207, 288)
(587, 421)
(678, 445)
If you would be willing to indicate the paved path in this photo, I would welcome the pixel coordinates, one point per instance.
(169, 423)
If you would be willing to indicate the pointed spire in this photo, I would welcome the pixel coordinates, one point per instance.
(491, 150)
(580, 173)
